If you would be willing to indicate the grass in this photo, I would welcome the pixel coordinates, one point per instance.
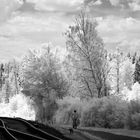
(125, 132)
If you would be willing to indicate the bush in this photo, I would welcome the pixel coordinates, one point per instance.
(90, 113)
(105, 112)
(136, 120)
(133, 117)
(66, 108)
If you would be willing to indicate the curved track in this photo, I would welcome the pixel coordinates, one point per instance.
(20, 129)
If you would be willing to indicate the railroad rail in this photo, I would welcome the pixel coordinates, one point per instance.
(5, 134)
(20, 129)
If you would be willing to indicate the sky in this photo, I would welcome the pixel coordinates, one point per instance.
(28, 24)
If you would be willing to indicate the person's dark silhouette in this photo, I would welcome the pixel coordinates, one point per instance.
(75, 118)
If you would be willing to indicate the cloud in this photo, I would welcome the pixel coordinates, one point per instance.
(40, 21)
(132, 5)
(11, 47)
(94, 2)
(26, 30)
(7, 7)
(98, 2)
(29, 23)
(135, 5)
(113, 30)
(23, 31)
(115, 2)
(56, 5)
(128, 27)
(130, 45)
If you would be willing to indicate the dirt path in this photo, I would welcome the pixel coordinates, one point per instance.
(77, 135)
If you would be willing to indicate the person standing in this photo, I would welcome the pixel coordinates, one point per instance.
(75, 119)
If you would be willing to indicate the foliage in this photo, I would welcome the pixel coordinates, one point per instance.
(66, 108)
(133, 118)
(117, 63)
(1, 74)
(105, 112)
(132, 94)
(43, 80)
(88, 57)
(9, 79)
(128, 73)
(137, 71)
(41, 72)
(7, 89)
(18, 106)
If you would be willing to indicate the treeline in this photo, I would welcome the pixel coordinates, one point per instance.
(9, 79)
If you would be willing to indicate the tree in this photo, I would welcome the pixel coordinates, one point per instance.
(43, 81)
(88, 57)
(129, 55)
(70, 73)
(128, 77)
(137, 71)
(116, 73)
(1, 74)
(11, 72)
(7, 91)
(134, 58)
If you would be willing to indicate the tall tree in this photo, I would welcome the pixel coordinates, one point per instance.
(15, 72)
(1, 74)
(137, 71)
(134, 58)
(128, 77)
(88, 57)
(43, 81)
(116, 73)
(7, 91)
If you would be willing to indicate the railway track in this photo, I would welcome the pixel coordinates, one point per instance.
(20, 129)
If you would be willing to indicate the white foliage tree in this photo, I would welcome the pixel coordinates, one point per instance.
(133, 94)
(128, 70)
(88, 57)
(116, 72)
(43, 81)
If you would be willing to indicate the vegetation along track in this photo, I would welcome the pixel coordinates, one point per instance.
(107, 135)
(20, 129)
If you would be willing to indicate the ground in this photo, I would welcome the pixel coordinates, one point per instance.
(77, 134)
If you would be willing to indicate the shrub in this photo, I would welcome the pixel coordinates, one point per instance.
(133, 117)
(66, 107)
(90, 113)
(105, 112)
